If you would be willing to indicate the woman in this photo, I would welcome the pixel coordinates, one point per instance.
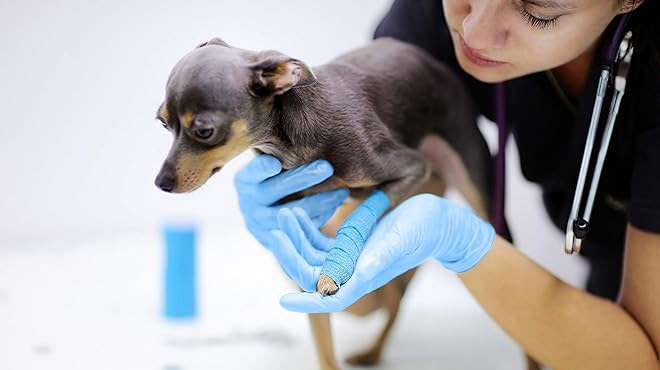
(548, 52)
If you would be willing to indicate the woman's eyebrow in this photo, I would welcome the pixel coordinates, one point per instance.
(551, 4)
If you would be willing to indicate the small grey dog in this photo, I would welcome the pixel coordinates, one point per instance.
(386, 116)
(373, 113)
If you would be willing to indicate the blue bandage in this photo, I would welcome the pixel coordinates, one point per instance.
(340, 262)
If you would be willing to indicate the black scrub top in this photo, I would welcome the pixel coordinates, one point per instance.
(550, 132)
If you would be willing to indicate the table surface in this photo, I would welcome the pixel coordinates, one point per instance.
(96, 304)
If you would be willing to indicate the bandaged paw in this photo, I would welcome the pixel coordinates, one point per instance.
(351, 236)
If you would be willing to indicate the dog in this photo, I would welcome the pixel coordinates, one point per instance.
(387, 116)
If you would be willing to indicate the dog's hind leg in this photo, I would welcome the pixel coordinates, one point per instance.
(445, 162)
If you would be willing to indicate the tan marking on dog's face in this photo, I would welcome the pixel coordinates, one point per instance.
(187, 119)
(164, 114)
(193, 170)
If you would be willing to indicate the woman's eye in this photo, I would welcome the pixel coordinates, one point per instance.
(535, 21)
(204, 133)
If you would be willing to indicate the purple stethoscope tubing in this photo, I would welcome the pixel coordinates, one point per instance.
(500, 172)
(577, 227)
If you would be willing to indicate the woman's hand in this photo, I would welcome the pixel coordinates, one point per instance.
(421, 228)
(261, 183)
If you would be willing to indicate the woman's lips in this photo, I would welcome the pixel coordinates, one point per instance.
(476, 58)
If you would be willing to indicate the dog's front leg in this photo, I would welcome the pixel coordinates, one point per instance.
(402, 171)
(322, 333)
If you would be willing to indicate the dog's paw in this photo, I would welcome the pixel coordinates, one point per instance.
(369, 358)
(326, 286)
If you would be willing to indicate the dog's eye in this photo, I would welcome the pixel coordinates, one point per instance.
(204, 133)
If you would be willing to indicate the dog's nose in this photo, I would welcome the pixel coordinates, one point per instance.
(166, 181)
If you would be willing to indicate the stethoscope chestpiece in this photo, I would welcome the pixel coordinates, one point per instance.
(577, 231)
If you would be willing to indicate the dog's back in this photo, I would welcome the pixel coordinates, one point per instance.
(405, 87)
(412, 94)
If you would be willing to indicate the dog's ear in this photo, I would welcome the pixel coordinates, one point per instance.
(276, 73)
(213, 41)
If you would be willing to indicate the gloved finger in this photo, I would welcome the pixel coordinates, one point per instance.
(320, 204)
(321, 219)
(288, 223)
(381, 251)
(266, 239)
(310, 303)
(292, 263)
(318, 240)
(257, 170)
(262, 218)
(293, 181)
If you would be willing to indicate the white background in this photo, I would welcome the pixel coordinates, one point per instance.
(80, 82)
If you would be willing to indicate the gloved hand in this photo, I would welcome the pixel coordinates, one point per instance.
(421, 228)
(260, 184)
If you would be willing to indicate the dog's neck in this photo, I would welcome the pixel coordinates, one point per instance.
(296, 126)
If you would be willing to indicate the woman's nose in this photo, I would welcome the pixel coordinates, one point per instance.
(484, 26)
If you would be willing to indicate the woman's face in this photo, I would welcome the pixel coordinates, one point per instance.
(496, 40)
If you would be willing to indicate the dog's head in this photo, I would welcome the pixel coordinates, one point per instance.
(217, 105)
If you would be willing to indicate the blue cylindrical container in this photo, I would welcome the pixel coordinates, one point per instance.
(179, 288)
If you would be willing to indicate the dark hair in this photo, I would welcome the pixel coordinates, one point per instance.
(645, 25)
(644, 79)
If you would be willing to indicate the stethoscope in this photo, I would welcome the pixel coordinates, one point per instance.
(578, 226)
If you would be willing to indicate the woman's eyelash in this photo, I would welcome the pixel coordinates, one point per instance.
(537, 22)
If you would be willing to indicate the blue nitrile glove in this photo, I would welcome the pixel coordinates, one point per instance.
(421, 228)
(261, 183)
